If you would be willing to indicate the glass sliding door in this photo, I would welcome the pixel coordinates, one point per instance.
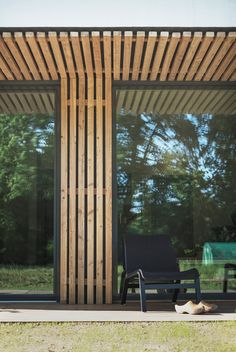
(176, 175)
(27, 159)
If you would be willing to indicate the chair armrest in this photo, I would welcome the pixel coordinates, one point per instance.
(134, 273)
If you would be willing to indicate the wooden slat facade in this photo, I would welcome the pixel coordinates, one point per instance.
(86, 64)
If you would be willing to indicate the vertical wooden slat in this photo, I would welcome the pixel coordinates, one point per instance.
(41, 37)
(31, 40)
(7, 37)
(179, 55)
(210, 55)
(127, 54)
(74, 36)
(72, 192)
(148, 55)
(99, 167)
(90, 168)
(10, 60)
(108, 166)
(138, 54)
(189, 55)
(20, 40)
(81, 185)
(117, 54)
(220, 55)
(163, 39)
(57, 53)
(64, 193)
(208, 37)
(169, 55)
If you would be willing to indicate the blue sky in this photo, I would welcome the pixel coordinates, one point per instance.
(80, 13)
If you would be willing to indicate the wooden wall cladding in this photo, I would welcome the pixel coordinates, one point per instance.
(86, 64)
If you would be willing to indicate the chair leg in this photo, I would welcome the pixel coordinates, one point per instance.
(176, 292)
(142, 294)
(225, 284)
(124, 292)
(122, 280)
(198, 290)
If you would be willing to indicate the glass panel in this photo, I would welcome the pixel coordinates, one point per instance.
(176, 174)
(26, 192)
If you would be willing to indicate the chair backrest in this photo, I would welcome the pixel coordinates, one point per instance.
(151, 253)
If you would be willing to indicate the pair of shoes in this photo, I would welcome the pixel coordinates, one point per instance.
(192, 308)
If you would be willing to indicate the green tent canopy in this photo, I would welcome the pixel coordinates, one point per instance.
(214, 251)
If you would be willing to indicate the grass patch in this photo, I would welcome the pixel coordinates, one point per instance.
(16, 277)
(132, 337)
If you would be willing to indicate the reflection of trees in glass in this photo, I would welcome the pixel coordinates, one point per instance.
(176, 174)
(26, 188)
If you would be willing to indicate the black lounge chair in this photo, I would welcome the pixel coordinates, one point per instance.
(150, 263)
(229, 273)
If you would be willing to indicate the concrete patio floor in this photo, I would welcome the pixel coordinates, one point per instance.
(161, 311)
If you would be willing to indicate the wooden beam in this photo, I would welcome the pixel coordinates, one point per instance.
(225, 63)
(31, 40)
(127, 55)
(74, 37)
(184, 42)
(10, 43)
(169, 55)
(5, 69)
(64, 194)
(97, 54)
(67, 53)
(151, 41)
(220, 56)
(197, 37)
(87, 54)
(203, 47)
(108, 167)
(10, 60)
(229, 71)
(138, 55)
(43, 43)
(57, 53)
(162, 42)
(220, 36)
(81, 183)
(117, 54)
(20, 40)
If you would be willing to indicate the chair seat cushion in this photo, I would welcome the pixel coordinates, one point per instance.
(190, 274)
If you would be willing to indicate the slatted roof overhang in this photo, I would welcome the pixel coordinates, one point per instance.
(144, 55)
